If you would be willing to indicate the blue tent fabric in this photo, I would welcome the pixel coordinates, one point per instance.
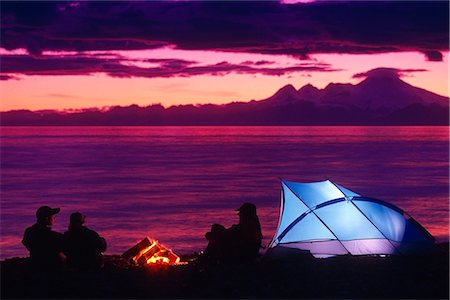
(328, 219)
(315, 193)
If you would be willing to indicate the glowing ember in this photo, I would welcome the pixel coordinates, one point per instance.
(158, 260)
(150, 251)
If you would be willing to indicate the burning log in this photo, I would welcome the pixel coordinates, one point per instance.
(150, 252)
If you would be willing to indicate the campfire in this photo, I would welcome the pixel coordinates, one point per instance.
(151, 252)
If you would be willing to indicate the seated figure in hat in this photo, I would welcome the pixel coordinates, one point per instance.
(83, 246)
(44, 244)
(238, 244)
(245, 237)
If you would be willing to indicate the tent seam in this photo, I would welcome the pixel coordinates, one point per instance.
(318, 218)
(357, 207)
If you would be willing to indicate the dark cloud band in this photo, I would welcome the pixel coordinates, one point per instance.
(255, 27)
(387, 72)
(128, 68)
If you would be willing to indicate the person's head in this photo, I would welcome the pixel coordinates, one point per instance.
(45, 215)
(217, 232)
(77, 219)
(247, 210)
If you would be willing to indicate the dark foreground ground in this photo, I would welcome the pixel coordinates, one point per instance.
(301, 276)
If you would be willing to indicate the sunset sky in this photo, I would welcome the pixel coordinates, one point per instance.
(72, 55)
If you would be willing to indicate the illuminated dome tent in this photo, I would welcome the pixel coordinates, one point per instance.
(328, 219)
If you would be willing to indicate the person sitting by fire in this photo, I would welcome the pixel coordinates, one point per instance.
(83, 246)
(44, 244)
(216, 251)
(245, 237)
(238, 244)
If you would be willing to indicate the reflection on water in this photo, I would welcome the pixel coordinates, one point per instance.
(172, 183)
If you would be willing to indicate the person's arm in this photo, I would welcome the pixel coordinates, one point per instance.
(26, 239)
(102, 244)
(65, 246)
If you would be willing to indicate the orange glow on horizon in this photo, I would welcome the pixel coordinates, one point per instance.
(100, 90)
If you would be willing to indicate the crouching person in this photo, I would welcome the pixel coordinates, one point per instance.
(83, 247)
(216, 251)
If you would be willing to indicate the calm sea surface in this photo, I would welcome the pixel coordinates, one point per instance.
(172, 183)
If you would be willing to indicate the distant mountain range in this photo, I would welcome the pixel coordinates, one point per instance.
(381, 99)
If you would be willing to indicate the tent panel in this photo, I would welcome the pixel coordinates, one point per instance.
(319, 248)
(355, 247)
(347, 222)
(292, 209)
(347, 192)
(416, 248)
(315, 193)
(370, 246)
(415, 233)
(390, 222)
(309, 228)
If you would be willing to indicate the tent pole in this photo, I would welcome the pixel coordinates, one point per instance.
(279, 218)
(396, 248)
(351, 200)
(312, 210)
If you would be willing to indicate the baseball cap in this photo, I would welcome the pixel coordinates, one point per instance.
(46, 211)
(247, 208)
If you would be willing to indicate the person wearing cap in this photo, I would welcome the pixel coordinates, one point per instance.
(238, 244)
(83, 246)
(245, 237)
(44, 244)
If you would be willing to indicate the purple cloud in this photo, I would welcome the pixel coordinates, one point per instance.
(257, 63)
(128, 68)
(433, 55)
(387, 72)
(255, 27)
(51, 65)
(171, 63)
(7, 77)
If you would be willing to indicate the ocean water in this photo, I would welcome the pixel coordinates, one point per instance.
(172, 183)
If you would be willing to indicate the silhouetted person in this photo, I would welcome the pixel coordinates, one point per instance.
(238, 244)
(245, 237)
(44, 244)
(216, 251)
(83, 246)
